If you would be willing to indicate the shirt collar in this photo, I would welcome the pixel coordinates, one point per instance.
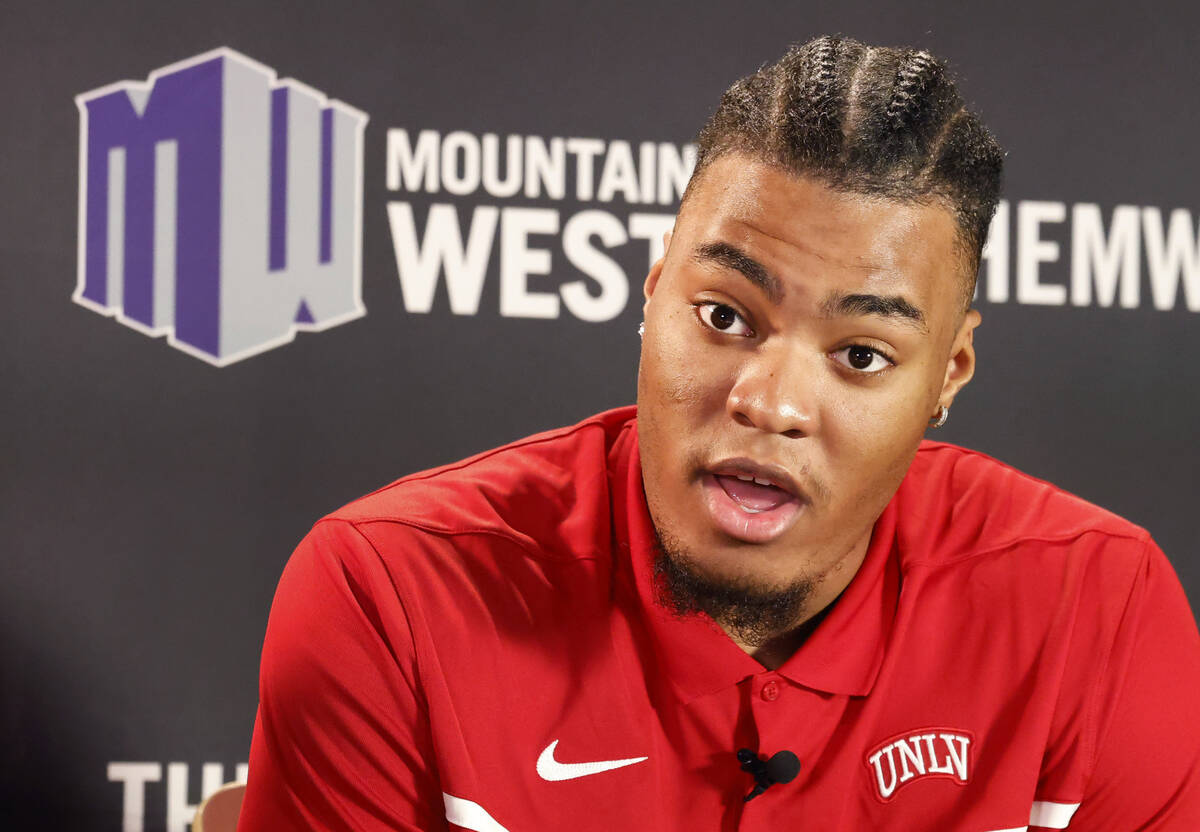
(842, 655)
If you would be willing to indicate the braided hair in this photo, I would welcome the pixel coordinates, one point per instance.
(871, 120)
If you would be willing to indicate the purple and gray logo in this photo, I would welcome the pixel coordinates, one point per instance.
(220, 207)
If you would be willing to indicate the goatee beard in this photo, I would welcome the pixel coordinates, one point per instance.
(750, 612)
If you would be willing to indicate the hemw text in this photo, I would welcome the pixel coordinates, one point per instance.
(1140, 254)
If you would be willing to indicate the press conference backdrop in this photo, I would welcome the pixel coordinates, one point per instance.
(259, 260)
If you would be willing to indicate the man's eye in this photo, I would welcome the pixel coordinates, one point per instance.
(723, 318)
(863, 359)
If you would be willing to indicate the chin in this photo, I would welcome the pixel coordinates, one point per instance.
(748, 605)
(718, 558)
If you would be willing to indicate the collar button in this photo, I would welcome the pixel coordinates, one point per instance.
(770, 691)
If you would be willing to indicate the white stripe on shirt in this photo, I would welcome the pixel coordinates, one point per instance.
(469, 815)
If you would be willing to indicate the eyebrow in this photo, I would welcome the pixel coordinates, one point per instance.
(894, 307)
(835, 305)
(731, 257)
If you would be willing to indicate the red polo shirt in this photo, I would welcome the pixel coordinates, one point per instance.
(478, 647)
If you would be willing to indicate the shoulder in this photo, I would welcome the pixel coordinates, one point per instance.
(546, 493)
(479, 554)
(958, 503)
(1071, 610)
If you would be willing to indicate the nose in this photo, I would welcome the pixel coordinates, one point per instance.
(776, 393)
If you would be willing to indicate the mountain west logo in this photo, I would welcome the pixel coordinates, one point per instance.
(930, 752)
(220, 207)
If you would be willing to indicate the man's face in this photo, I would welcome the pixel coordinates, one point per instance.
(802, 337)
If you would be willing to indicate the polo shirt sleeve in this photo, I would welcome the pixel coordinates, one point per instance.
(341, 740)
(1145, 714)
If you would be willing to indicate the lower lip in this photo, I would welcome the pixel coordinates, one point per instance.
(735, 521)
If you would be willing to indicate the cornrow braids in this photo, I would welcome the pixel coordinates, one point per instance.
(812, 100)
(871, 120)
(919, 72)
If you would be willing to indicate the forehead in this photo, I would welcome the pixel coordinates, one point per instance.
(816, 239)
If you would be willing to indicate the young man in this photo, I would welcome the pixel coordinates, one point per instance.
(760, 583)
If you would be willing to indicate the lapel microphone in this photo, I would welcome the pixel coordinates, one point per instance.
(781, 768)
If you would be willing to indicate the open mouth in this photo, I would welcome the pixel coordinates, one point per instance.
(753, 495)
(750, 505)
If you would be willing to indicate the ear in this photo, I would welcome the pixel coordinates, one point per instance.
(655, 271)
(961, 365)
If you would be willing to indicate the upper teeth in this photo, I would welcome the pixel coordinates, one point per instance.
(748, 478)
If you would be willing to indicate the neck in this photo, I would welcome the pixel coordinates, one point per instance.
(772, 653)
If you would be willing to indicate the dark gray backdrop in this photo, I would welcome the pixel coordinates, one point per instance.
(151, 499)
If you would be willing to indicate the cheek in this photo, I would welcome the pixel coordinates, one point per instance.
(674, 374)
(679, 387)
(872, 439)
(679, 391)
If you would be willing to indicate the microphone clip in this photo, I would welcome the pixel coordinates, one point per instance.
(781, 768)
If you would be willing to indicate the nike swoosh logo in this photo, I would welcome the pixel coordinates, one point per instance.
(551, 769)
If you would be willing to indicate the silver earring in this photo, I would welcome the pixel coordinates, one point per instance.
(641, 329)
(943, 414)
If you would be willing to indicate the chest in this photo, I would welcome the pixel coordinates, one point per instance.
(582, 730)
